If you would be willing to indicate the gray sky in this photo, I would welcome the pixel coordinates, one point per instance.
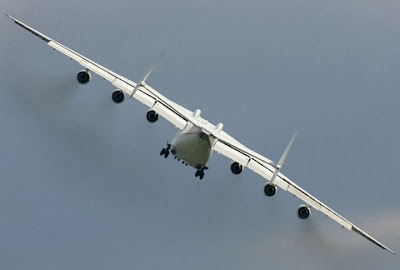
(82, 183)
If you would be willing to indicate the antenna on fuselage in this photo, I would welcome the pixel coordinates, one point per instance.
(142, 82)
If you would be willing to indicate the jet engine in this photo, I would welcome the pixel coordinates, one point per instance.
(152, 116)
(269, 190)
(236, 168)
(83, 76)
(303, 211)
(118, 96)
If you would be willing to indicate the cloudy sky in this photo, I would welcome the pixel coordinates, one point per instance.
(82, 185)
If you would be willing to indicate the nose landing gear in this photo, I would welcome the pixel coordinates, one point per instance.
(165, 151)
(200, 173)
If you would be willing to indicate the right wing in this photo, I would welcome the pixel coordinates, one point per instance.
(174, 113)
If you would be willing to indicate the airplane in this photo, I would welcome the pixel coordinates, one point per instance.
(197, 138)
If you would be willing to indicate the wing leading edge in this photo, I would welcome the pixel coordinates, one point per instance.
(174, 113)
(180, 116)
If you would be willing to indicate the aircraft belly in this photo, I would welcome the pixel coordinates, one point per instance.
(191, 148)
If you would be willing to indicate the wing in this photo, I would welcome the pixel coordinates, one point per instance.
(234, 150)
(180, 116)
(174, 113)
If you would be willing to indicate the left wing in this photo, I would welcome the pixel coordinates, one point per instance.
(174, 113)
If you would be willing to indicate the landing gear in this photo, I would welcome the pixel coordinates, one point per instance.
(165, 151)
(200, 173)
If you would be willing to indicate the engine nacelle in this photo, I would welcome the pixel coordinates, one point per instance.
(269, 190)
(83, 76)
(303, 211)
(118, 96)
(152, 116)
(236, 168)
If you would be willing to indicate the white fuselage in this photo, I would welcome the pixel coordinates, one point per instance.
(193, 146)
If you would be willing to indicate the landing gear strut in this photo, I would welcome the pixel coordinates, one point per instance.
(165, 151)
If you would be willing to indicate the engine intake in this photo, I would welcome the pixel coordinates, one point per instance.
(236, 168)
(269, 190)
(83, 77)
(303, 211)
(118, 96)
(152, 116)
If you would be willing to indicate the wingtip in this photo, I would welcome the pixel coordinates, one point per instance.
(391, 251)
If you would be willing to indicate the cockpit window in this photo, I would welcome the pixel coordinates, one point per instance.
(203, 136)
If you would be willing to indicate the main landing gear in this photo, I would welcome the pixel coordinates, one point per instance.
(165, 151)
